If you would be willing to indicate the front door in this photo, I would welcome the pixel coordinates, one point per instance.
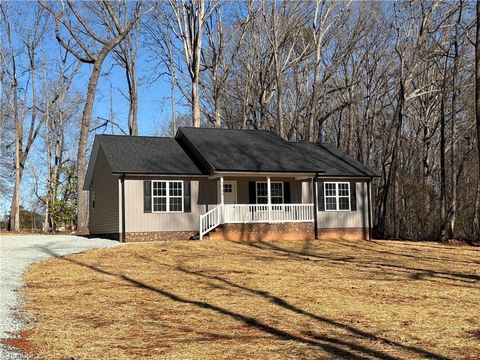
(230, 192)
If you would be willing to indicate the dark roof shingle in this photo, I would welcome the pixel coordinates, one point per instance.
(142, 154)
(247, 150)
(203, 151)
(333, 160)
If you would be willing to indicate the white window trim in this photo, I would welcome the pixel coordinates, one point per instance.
(167, 196)
(337, 196)
(271, 182)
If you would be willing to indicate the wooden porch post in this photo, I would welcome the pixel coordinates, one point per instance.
(269, 196)
(222, 199)
(315, 207)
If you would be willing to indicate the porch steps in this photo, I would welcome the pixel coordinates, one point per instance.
(218, 229)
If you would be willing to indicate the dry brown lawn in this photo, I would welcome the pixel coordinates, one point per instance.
(264, 300)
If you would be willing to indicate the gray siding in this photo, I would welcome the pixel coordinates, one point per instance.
(138, 221)
(103, 219)
(344, 219)
(204, 195)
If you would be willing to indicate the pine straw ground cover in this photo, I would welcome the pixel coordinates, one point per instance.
(265, 300)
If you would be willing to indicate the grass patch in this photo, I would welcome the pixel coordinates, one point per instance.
(264, 300)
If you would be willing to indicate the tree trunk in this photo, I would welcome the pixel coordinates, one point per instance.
(217, 110)
(477, 116)
(443, 194)
(133, 101)
(392, 171)
(197, 52)
(172, 99)
(82, 201)
(14, 221)
(278, 80)
(195, 104)
(453, 176)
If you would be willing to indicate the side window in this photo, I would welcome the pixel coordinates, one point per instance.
(92, 196)
(337, 196)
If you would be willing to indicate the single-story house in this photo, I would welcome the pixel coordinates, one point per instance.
(225, 183)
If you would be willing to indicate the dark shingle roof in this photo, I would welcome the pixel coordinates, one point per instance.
(197, 151)
(246, 150)
(142, 154)
(333, 160)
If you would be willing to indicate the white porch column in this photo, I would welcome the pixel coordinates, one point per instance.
(269, 197)
(222, 200)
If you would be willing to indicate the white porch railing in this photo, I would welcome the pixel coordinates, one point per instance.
(210, 220)
(245, 213)
(275, 213)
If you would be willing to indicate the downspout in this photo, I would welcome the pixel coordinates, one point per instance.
(122, 182)
(369, 183)
(315, 206)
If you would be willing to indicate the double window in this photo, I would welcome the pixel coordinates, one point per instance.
(276, 190)
(337, 196)
(167, 196)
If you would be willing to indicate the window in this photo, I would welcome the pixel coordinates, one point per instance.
(337, 196)
(228, 188)
(167, 196)
(276, 190)
(93, 198)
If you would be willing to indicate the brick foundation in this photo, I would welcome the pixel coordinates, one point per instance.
(264, 231)
(343, 234)
(159, 236)
(250, 232)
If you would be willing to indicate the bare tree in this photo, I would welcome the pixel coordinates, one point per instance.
(186, 21)
(31, 39)
(477, 115)
(452, 213)
(59, 117)
(89, 46)
(126, 56)
(223, 47)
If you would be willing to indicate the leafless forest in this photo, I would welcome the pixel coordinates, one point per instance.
(394, 84)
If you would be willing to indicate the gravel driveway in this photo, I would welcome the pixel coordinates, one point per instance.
(16, 254)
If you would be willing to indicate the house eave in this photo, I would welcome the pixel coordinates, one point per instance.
(153, 174)
(246, 173)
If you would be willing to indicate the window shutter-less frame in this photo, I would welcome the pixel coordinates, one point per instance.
(353, 196)
(147, 196)
(286, 192)
(321, 196)
(187, 197)
(252, 192)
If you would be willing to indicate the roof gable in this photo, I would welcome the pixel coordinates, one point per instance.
(143, 155)
(335, 161)
(245, 150)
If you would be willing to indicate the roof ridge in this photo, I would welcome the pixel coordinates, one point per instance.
(135, 136)
(225, 129)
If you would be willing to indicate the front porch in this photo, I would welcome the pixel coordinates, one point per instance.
(260, 200)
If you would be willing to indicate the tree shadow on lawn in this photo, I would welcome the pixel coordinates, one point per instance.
(412, 272)
(419, 257)
(334, 346)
